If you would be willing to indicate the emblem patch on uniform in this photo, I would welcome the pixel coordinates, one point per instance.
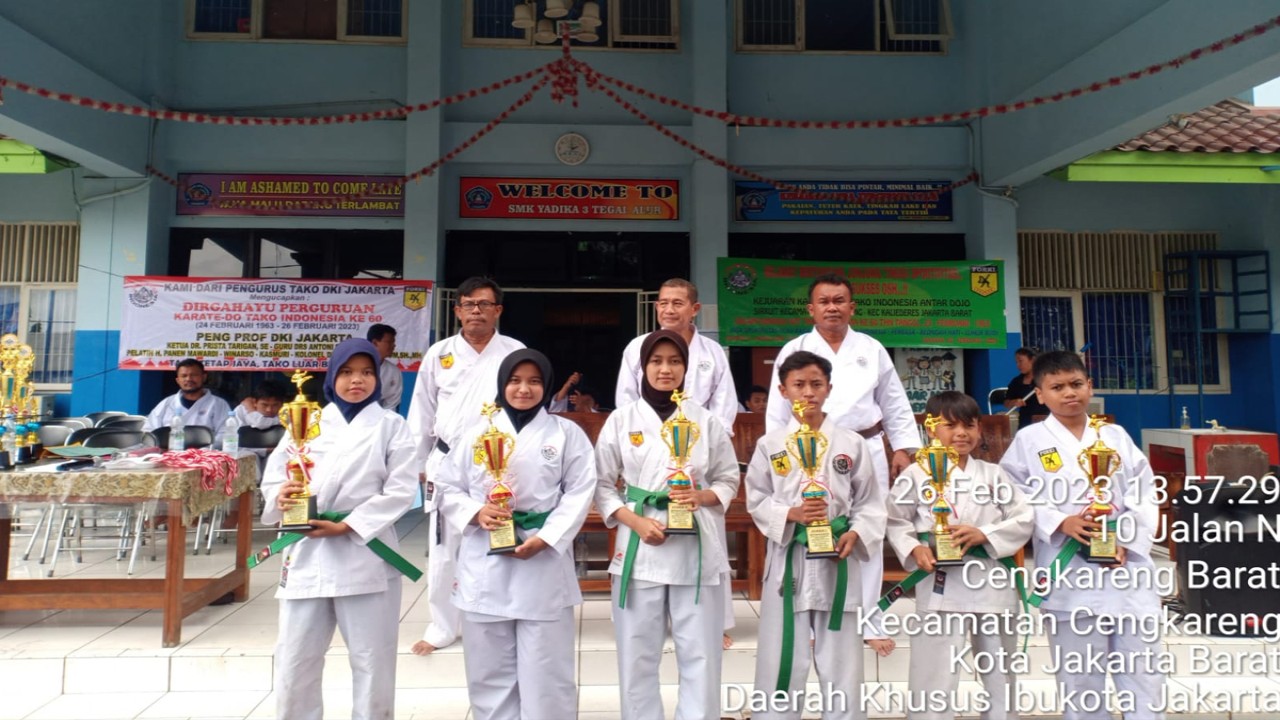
(446, 361)
(781, 463)
(843, 464)
(637, 439)
(1050, 459)
(549, 452)
(862, 361)
(704, 365)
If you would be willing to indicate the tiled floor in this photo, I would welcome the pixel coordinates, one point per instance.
(82, 665)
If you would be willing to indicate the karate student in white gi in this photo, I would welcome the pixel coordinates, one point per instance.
(261, 410)
(1043, 462)
(990, 519)
(519, 636)
(866, 397)
(657, 576)
(457, 375)
(363, 470)
(707, 381)
(383, 338)
(196, 404)
(816, 598)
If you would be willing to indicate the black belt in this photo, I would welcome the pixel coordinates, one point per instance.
(868, 433)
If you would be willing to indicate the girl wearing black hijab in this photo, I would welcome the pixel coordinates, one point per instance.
(364, 477)
(660, 577)
(518, 635)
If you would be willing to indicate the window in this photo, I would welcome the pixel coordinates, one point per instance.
(38, 270)
(1102, 290)
(622, 24)
(305, 20)
(356, 254)
(844, 26)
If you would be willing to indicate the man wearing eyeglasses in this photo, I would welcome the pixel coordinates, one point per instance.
(457, 376)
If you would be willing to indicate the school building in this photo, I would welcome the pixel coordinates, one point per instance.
(1083, 197)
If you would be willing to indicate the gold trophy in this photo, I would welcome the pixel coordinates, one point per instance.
(494, 449)
(301, 419)
(939, 462)
(808, 446)
(680, 434)
(1099, 462)
(17, 401)
(8, 400)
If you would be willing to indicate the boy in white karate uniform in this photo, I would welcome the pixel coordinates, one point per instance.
(990, 521)
(1043, 461)
(361, 469)
(658, 576)
(819, 597)
(518, 632)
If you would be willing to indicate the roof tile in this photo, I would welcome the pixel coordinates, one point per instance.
(1229, 126)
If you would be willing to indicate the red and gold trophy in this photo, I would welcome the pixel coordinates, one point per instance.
(940, 462)
(493, 449)
(1099, 462)
(301, 419)
(808, 447)
(680, 434)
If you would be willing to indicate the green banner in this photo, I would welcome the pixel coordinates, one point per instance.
(950, 304)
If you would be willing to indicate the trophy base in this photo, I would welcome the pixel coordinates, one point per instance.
(820, 555)
(5, 462)
(1103, 552)
(36, 451)
(681, 530)
(680, 520)
(503, 540)
(945, 553)
(22, 456)
(296, 518)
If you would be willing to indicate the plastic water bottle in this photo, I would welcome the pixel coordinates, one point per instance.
(177, 436)
(1186, 419)
(230, 438)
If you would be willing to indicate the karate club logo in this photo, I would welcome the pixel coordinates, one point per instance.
(415, 297)
(843, 464)
(446, 361)
(781, 463)
(984, 280)
(637, 439)
(143, 297)
(1051, 460)
(739, 278)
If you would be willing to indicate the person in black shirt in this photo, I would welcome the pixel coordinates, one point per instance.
(1021, 391)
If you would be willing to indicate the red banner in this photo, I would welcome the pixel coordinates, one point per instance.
(569, 199)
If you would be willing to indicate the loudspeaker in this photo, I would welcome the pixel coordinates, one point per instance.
(1232, 509)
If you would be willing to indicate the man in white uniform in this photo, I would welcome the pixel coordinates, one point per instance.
(707, 381)
(383, 338)
(866, 397)
(458, 375)
(193, 401)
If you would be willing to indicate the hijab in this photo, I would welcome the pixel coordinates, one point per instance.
(343, 352)
(520, 418)
(659, 400)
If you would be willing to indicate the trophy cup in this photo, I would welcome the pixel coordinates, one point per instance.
(808, 446)
(301, 419)
(939, 462)
(494, 449)
(680, 434)
(8, 400)
(17, 401)
(1099, 462)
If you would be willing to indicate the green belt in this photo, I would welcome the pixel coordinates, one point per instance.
(530, 520)
(839, 526)
(1060, 561)
(379, 548)
(659, 500)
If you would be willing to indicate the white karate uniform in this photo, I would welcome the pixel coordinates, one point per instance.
(707, 380)
(365, 467)
(210, 411)
(453, 382)
(1007, 527)
(255, 419)
(865, 390)
(392, 384)
(517, 615)
(853, 492)
(667, 580)
(1028, 461)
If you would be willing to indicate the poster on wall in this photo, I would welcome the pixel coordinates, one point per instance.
(925, 372)
(568, 198)
(260, 324)
(844, 201)
(946, 304)
(280, 195)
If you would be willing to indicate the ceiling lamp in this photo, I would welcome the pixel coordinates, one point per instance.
(557, 8)
(557, 20)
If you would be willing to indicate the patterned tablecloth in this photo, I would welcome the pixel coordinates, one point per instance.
(127, 485)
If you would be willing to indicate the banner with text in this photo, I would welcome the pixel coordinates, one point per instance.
(266, 323)
(888, 200)
(245, 194)
(569, 199)
(947, 304)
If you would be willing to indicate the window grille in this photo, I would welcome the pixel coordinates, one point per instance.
(313, 20)
(1048, 323)
(1119, 330)
(39, 267)
(847, 26)
(624, 24)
